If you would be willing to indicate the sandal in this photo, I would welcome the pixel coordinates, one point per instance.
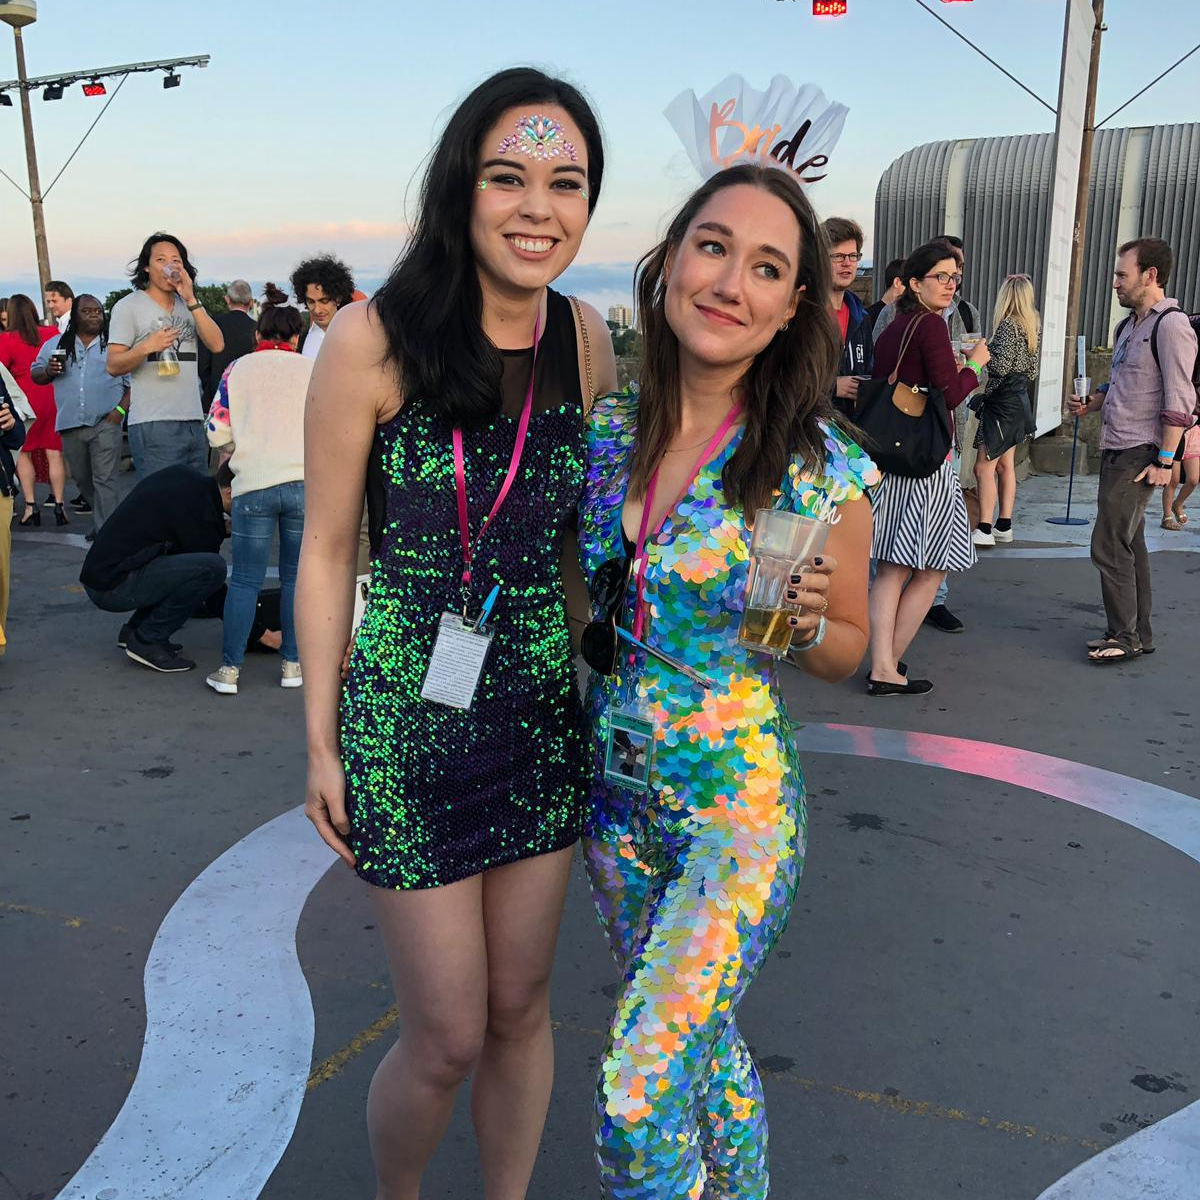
(1100, 643)
(1100, 655)
(1172, 523)
(1180, 516)
(32, 514)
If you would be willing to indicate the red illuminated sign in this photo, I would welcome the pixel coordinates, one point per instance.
(95, 89)
(829, 8)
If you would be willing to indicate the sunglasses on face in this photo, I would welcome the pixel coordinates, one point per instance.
(600, 642)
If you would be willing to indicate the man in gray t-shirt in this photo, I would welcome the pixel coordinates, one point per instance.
(152, 338)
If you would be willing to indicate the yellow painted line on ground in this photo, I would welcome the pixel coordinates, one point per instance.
(891, 1101)
(31, 910)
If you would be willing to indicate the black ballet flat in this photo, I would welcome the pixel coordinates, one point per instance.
(901, 666)
(910, 687)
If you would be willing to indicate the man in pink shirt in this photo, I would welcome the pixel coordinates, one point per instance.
(1147, 406)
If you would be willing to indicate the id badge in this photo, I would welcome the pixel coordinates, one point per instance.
(629, 751)
(459, 654)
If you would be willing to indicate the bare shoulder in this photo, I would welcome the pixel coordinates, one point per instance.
(354, 366)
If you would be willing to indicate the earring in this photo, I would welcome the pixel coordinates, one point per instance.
(784, 326)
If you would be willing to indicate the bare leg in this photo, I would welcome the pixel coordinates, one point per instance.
(58, 475)
(1006, 472)
(1191, 478)
(914, 604)
(436, 951)
(985, 486)
(25, 474)
(522, 907)
(884, 603)
(1168, 495)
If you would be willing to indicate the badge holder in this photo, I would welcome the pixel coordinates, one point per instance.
(629, 748)
(456, 664)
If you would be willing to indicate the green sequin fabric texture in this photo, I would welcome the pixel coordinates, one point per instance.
(693, 881)
(436, 794)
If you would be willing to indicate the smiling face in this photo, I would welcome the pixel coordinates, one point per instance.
(530, 208)
(731, 281)
(934, 293)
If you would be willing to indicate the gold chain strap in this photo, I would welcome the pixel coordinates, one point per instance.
(587, 349)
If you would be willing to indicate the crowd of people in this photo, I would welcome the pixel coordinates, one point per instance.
(521, 507)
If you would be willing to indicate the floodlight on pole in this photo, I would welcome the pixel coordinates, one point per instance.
(19, 14)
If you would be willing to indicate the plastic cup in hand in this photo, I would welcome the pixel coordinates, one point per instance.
(781, 544)
(1083, 387)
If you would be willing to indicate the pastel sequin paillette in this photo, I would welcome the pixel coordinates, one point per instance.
(694, 881)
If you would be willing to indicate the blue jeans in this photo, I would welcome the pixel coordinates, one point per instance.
(943, 593)
(256, 515)
(158, 444)
(164, 593)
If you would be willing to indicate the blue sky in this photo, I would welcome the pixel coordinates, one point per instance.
(309, 126)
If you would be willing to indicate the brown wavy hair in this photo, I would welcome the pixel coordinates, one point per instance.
(787, 390)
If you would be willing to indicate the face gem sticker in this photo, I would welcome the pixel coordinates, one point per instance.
(539, 137)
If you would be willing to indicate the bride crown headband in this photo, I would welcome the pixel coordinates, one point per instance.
(793, 128)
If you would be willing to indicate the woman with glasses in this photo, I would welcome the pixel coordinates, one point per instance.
(451, 771)
(697, 832)
(1004, 409)
(921, 525)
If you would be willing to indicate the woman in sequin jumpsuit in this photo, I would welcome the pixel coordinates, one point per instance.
(459, 820)
(694, 879)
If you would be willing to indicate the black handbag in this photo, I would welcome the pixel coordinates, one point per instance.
(908, 429)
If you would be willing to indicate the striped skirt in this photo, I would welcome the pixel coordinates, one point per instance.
(922, 523)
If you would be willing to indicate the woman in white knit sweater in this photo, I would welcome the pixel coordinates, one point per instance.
(258, 414)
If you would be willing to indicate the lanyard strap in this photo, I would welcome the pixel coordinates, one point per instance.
(639, 554)
(514, 465)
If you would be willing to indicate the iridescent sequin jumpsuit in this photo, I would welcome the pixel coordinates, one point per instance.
(694, 881)
(436, 794)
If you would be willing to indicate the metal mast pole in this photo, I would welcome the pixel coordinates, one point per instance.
(1082, 195)
(35, 186)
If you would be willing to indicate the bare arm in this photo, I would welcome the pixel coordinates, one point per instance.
(600, 348)
(349, 394)
(841, 580)
(123, 360)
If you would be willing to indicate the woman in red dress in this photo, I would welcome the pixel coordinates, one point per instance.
(19, 346)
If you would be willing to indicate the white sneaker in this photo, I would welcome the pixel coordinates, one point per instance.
(982, 539)
(1003, 535)
(291, 677)
(224, 680)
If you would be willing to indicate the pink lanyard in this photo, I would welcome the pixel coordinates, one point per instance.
(639, 554)
(514, 465)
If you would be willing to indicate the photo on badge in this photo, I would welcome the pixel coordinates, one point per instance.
(629, 752)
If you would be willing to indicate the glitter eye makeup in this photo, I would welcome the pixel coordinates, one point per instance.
(539, 138)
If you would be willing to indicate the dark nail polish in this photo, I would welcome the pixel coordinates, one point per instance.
(797, 579)
(817, 562)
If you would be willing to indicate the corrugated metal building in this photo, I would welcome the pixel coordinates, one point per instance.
(994, 193)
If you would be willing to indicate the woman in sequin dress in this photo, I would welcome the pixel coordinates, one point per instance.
(460, 820)
(694, 879)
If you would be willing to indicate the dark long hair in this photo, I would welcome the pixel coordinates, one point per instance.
(432, 305)
(139, 269)
(66, 343)
(788, 386)
(23, 319)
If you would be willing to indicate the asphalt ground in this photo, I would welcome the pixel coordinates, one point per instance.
(981, 986)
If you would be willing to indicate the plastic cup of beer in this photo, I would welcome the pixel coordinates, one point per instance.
(782, 543)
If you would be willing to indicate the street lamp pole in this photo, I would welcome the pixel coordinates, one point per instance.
(1082, 195)
(35, 183)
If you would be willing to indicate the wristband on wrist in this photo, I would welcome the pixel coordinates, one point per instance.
(122, 410)
(975, 367)
(814, 641)
(193, 307)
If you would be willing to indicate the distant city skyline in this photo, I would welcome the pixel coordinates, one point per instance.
(308, 133)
